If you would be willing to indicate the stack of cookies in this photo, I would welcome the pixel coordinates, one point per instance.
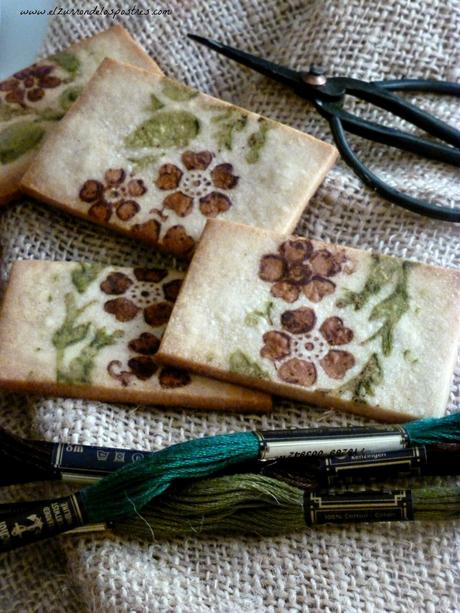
(259, 312)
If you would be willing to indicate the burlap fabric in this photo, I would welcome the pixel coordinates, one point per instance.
(406, 567)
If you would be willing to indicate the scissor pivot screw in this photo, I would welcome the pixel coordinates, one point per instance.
(315, 76)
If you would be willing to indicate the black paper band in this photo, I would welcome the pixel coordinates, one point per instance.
(94, 461)
(357, 507)
(39, 521)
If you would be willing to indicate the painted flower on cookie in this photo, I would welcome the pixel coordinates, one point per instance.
(298, 268)
(302, 347)
(115, 194)
(197, 183)
(143, 293)
(29, 84)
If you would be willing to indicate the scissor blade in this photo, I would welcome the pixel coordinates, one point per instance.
(282, 74)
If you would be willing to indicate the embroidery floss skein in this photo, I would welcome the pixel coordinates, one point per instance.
(35, 460)
(127, 490)
(263, 506)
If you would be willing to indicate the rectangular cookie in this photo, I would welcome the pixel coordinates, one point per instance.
(92, 331)
(154, 159)
(35, 98)
(333, 326)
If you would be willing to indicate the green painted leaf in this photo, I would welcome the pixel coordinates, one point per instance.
(18, 138)
(144, 161)
(381, 271)
(390, 310)
(365, 382)
(165, 129)
(178, 92)
(70, 332)
(257, 141)
(228, 123)
(155, 103)
(253, 317)
(241, 364)
(67, 61)
(50, 114)
(9, 111)
(68, 97)
(84, 275)
(80, 368)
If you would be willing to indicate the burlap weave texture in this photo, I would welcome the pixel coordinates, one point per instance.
(407, 567)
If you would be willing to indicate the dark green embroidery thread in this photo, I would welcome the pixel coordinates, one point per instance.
(253, 317)
(165, 129)
(84, 275)
(178, 92)
(365, 382)
(241, 364)
(228, 123)
(18, 138)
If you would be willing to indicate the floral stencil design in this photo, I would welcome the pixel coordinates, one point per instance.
(298, 350)
(196, 184)
(146, 294)
(300, 268)
(29, 84)
(115, 194)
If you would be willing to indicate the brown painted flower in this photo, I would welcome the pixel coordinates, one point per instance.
(299, 268)
(115, 193)
(29, 84)
(144, 292)
(196, 184)
(297, 350)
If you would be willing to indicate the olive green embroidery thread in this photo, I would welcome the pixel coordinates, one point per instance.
(241, 364)
(253, 317)
(257, 141)
(18, 138)
(228, 122)
(84, 275)
(365, 382)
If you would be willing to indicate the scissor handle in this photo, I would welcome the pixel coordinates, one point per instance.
(383, 98)
(420, 85)
(383, 189)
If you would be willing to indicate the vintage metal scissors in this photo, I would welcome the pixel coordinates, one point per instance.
(328, 94)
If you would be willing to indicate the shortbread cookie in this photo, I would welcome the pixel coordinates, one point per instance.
(90, 331)
(154, 159)
(34, 99)
(333, 326)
